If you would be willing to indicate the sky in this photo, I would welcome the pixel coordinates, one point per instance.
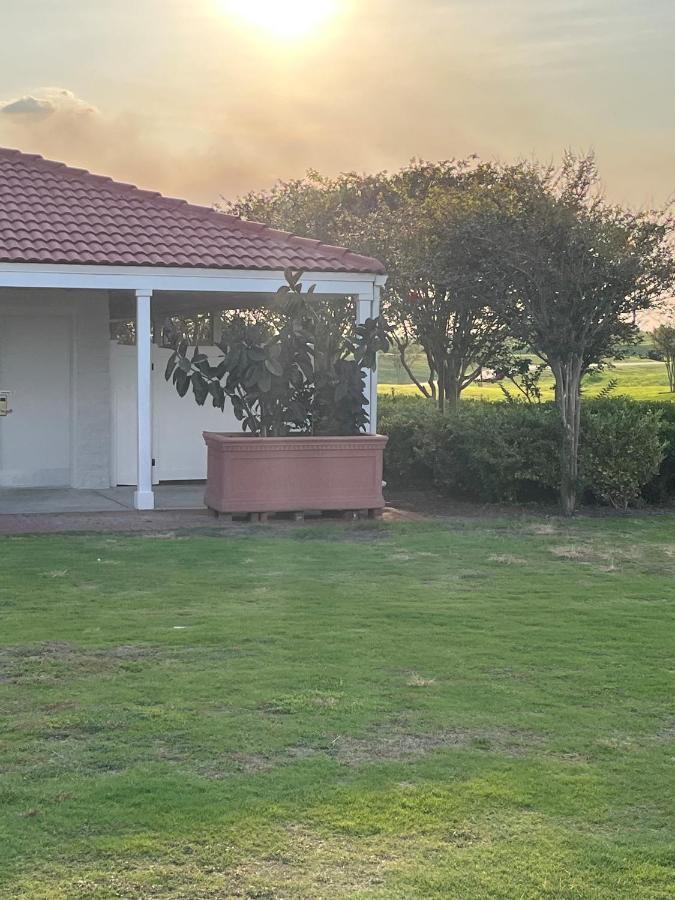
(206, 99)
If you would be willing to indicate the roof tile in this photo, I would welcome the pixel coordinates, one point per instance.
(51, 213)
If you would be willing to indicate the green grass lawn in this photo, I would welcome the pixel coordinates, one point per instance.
(641, 379)
(464, 708)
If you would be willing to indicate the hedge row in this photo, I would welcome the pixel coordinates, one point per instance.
(495, 452)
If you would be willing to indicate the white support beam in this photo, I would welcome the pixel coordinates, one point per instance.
(365, 305)
(375, 312)
(224, 281)
(144, 497)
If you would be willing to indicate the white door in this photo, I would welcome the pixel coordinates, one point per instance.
(35, 366)
(178, 446)
(179, 423)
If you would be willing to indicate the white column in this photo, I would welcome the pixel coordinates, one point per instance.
(144, 497)
(217, 320)
(373, 375)
(364, 310)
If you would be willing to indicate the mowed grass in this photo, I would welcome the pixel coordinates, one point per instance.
(641, 379)
(458, 708)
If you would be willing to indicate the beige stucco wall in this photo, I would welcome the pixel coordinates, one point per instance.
(90, 412)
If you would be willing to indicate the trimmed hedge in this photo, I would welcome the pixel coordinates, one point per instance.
(508, 452)
(661, 488)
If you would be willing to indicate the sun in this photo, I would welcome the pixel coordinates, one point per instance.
(283, 18)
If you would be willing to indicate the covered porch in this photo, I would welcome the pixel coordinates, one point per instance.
(115, 429)
(81, 254)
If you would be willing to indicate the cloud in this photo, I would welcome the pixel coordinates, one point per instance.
(60, 125)
(26, 106)
(46, 102)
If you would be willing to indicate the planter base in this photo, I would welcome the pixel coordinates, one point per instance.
(294, 474)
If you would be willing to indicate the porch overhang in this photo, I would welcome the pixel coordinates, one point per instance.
(173, 288)
(66, 230)
(192, 280)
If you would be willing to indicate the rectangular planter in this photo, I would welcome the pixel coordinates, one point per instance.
(252, 474)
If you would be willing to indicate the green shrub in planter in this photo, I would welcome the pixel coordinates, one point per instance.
(622, 448)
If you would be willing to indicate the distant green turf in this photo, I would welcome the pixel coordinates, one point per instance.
(641, 379)
(461, 708)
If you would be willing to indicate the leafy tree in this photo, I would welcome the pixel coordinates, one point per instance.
(444, 289)
(420, 222)
(578, 269)
(664, 342)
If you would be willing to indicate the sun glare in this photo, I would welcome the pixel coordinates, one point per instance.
(283, 18)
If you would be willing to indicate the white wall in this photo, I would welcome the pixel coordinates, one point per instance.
(35, 439)
(180, 450)
(79, 408)
(88, 406)
(178, 447)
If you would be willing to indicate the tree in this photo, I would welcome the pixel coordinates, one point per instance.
(420, 223)
(664, 341)
(578, 269)
(444, 290)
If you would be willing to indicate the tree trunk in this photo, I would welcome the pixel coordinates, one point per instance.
(409, 372)
(441, 386)
(455, 379)
(568, 398)
(670, 369)
(453, 389)
(432, 374)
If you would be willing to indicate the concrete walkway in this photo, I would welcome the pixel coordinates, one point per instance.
(55, 510)
(179, 508)
(31, 501)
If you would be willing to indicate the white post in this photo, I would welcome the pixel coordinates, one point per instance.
(144, 497)
(373, 375)
(217, 322)
(364, 310)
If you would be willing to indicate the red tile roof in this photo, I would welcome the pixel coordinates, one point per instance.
(51, 213)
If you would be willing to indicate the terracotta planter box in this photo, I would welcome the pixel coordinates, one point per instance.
(260, 475)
